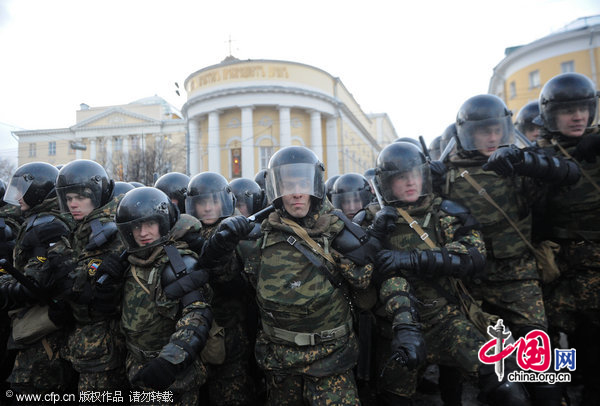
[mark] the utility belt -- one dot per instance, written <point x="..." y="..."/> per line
<point x="304" y="339"/>
<point x="565" y="234"/>
<point x="141" y="355"/>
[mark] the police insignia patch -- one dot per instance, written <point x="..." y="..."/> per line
<point x="93" y="266"/>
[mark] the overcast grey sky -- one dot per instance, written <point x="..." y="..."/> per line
<point x="416" y="61"/>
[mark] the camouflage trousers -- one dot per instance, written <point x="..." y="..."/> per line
<point x="230" y="383"/>
<point x="40" y="368"/>
<point x="450" y="340"/>
<point x="519" y="303"/>
<point x="300" y="390"/>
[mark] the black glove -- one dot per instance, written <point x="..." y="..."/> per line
<point x="384" y="223"/>
<point x="389" y="261"/>
<point x="195" y="241"/>
<point x="588" y="148"/>
<point x="60" y="313"/>
<point x="234" y="228"/>
<point x="408" y="346"/>
<point x="503" y="161"/>
<point x="113" y="266"/>
<point x="59" y="267"/>
<point x="158" y="374"/>
<point x="438" y="174"/>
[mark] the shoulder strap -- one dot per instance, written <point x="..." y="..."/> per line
<point x="335" y="281"/>
<point x="300" y="232"/>
<point x="481" y="190"/>
<point x="412" y="223"/>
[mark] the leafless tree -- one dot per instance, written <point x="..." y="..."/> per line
<point x="7" y="168"/>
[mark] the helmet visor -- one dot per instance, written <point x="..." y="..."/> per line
<point x="351" y="202"/>
<point x="19" y="185"/>
<point x="486" y="135"/>
<point x="405" y="186"/>
<point x="561" y="116"/>
<point x="144" y="232"/>
<point x="299" y="178"/>
<point x="210" y="207"/>
<point x="66" y="192"/>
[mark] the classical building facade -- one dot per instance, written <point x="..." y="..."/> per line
<point x="237" y="114"/>
<point x="520" y="76"/>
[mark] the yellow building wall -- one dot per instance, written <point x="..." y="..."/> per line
<point x="300" y="127"/>
<point x="548" y="68"/>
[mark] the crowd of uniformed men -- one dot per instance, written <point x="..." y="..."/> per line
<point x="290" y="290"/>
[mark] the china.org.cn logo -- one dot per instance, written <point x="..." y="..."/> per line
<point x="533" y="355"/>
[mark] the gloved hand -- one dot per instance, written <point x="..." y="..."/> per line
<point x="59" y="267"/>
<point x="106" y="297"/>
<point x="503" y="161"/>
<point x="158" y="374"/>
<point x="438" y="174"/>
<point x="384" y="223"/>
<point x="388" y="261"/>
<point x="195" y="241"/>
<point x="408" y="346"/>
<point x="113" y="266"/>
<point x="588" y="148"/>
<point x="234" y="228"/>
<point x="60" y="313"/>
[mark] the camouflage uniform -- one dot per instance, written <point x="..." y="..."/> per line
<point x="451" y="339"/>
<point x="297" y="301"/>
<point x="511" y="286"/>
<point x="95" y="347"/>
<point x="152" y="323"/>
<point x="38" y="367"/>
<point x="230" y="383"/>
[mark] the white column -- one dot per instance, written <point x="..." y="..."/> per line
<point x="316" y="138"/>
<point x="247" y="143"/>
<point x="214" y="149"/>
<point x="285" y="128"/>
<point x="109" y="156"/>
<point x="125" y="155"/>
<point x="194" y="142"/>
<point x="93" y="149"/>
<point x="333" y="163"/>
<point x="78" y="152"/>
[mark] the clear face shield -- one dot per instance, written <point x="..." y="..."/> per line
<point x="405" y="187"/>
<point x="351" y="202"/>
<point x="571" y="114"/>
<point x="294" y="179"/>
<point x="487" y="135"/>
<point x="19" y="185"/>
<point x="145" y="232"/>
<point x="210" y="207"/>
<point x="78" y="190"/>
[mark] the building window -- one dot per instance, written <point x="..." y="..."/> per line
<point x="32" y="149"/>
<point x="567" y="67"/>
<point x="265" y="154"/>
<point x="534" y="79"/>
<point x="52" y="148"/>
<point x="119" y="144"/>
<point x="512" y="90"/>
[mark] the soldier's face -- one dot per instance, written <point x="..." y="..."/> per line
<point x="532" y="134"/>
<point x="487" y="139"/>
<point x="351" y="205"/>
<point x="572" y="121"/>
<point x="146" y="232"/>
<point x="79" y="206"/>
<point x="407" y="186"/>
<point x="243" y="208"/>
<point x="296" y="204"/>
<point x="24" y="206"/>
<point x="209" y="209"/>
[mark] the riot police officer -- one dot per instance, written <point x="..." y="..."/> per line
<point x="174" y="184"/>
<point x="524" y="121"/>
<point x="351" y="193"/>
<point x="249" y="197"/>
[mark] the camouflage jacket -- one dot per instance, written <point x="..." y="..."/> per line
<point x="573" y="212"/>
<point x="150" y="321"/>
<point x="296" y="296"/>
<point x="10" y="216"/>
<point x="445" y="230"/>
<point x="82" y="250"/>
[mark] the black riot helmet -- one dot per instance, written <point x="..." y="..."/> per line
<point x="260" y="178"/>
<point x="524" y="119"/>
<point x="369" y="174"/>
<point x="137" y="184"/>
<point x="2" y="191"/>
<point x="434" y="148"/>
<point x="329" y="185"/>
<point x="209" y="198"/>
<point x="447" y="135"/>
<point x="174" y="184"/>
<point x="484" y="123"/>
<point x="121" y="188"/>
<point x="413" y="141"/>
<point x="249" y="197"/>
<point x="145" y="207"/>
<point x="292" y="170"/>
<point x="351" y="193"/>
<point x="402" y="174"/>
<point x="33" y="182"/>
<point x="565" y="92"/>
<point x="85" y="178"/>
